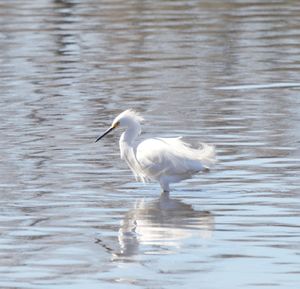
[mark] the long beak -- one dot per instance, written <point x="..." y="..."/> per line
<point x="106" y="132"/>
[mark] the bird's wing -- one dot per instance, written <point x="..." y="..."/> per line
<point x="173" y="156"/>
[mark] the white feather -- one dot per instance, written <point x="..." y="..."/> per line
<point x="166" y="160"/>
<point x="173" y="157"/>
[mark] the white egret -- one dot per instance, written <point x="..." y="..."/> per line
<point x="166" y="160"/>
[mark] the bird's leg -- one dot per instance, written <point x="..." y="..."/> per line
<point x="165" y="195"/>
<point x="164" y="185"/>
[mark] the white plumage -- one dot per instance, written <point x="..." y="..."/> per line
<point x="166" y="160"/>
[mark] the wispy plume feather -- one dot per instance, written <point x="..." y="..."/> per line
<point x="133" y="114"/>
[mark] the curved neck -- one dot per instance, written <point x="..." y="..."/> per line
<point x="127" y="150"/>
<point x="130" y="135"/>
<point x="126" y="143"/>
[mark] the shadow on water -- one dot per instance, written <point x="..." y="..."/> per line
<point x="163" y="224"/>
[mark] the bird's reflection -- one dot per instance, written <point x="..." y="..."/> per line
<point x="162" y="224"/>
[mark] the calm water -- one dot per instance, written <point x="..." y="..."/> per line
<point x="224" y="72"/>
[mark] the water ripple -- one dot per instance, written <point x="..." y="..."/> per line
<point x="224" y="72"/>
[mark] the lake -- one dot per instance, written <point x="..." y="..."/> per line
<point x="223" y="72"/>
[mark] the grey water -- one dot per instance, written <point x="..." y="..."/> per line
<point x="223" y="72"/>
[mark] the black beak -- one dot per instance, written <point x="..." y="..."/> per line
<point x="106" y="132"/>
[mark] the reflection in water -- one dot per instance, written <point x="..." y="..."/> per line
<point x="164" y="223"/>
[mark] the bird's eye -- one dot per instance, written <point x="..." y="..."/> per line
<point x="116" y="124"/>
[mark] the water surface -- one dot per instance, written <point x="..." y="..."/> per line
<point x="224" y="72"/>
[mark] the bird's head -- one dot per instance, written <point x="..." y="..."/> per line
<point x="128" y="119"/>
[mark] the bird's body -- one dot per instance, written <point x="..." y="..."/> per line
<point x="166" y="160"/>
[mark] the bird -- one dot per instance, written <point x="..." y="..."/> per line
<point x="164" y="160"/>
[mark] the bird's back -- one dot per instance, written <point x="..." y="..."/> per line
<point x="173" y="157"/>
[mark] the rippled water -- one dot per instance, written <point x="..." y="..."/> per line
<point x="225" y="72"/>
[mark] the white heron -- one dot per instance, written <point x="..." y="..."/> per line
<point x="166" y="160"/>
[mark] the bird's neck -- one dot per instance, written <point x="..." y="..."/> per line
<point x="128" y="153"/>
<point x="126" y="143"/>
<point x="130" y="135"/>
